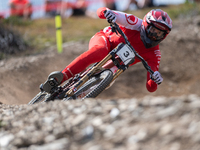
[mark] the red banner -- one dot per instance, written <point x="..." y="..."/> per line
<point x="52" y="6"/>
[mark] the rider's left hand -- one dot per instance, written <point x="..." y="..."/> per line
<point x="156" y="77"/>
<point x="110" y="15"/>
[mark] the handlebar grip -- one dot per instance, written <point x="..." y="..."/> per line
<point x="109" y="21"/>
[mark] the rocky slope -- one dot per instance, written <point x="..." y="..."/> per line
<point x="151" y="123"/>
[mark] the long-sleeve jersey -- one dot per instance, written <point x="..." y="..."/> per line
<point x="131" y="26"/>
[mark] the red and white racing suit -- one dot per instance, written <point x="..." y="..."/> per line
<point x="105" y="40"/>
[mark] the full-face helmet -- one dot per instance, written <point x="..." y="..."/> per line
<point x="156" y="26"/>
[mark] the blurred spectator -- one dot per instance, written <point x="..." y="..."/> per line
<point x="77" y="7"/>
<point x="52" y="7"/>
<point x="1" y="16"/>
<point x="20" y="8"/>
<point x="141" y="3"/>
<point x="111" y="4"/>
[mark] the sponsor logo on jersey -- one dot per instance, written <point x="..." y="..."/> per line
<point x="132" y="20"/>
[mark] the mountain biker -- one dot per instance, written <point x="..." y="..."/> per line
<point x="144" y="35"/>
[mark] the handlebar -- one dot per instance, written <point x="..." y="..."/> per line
<point x="115" y="28"/>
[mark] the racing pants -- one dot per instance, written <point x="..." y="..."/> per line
<point x="99" y="47"/>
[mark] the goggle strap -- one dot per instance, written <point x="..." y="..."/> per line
<point x="158" y="28"/>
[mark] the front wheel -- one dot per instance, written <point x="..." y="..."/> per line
<point x="94" y="86"/>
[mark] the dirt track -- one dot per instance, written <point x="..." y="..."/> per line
<point x="21" y="77"/>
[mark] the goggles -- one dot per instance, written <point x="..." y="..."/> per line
<point x="155" y="34"/>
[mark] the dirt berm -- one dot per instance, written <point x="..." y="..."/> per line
<point x="158" y="121"/>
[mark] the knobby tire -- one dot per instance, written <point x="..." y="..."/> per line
<point x="99" y="82"/>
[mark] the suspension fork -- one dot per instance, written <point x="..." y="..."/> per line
<point x="110" y="64"/>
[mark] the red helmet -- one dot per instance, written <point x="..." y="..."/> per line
<point x="155" y="22"/>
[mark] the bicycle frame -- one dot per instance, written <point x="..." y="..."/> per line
<point x="94" y="70"/>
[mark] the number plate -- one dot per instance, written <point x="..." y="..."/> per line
<point x="126" y="54"/>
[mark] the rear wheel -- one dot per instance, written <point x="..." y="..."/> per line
<point x="94" y="86"/>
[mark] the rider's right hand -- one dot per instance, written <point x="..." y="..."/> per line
<point x="156" y="77"/>
<point x="110" y="15"/>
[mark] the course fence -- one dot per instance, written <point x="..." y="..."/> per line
<point x="57" y="6"/>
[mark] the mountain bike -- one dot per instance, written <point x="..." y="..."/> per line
<point x="101" y="75"/>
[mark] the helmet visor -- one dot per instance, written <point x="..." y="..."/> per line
<point x="155" y="34"/>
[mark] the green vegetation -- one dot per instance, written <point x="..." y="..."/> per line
<point x="40" y="33"/>
<point x="2" y="124"/>
<point x="186" y="9"/>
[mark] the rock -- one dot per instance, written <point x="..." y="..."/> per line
<point x="156" y="122"/>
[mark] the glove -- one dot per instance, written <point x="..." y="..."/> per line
<point x="156" y="77"/>
<point x="110" y="15"/>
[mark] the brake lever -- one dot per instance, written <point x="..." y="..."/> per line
<point x="113" y="28"/>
